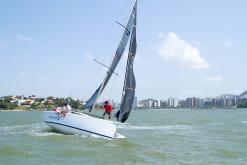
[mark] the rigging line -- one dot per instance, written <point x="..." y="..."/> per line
<point x="96" y="71"/>
<point x="111" y="87"/>
<point x="106" y="76"/>
<point x="123" y="27"/>
<point x="83" y="84"/>
<point x="114" y="81"/>
<point x="89" y="76"/>
<point x="76" y="84"/>
<point x="109" y="69"/>
<point x="94" y="75"/>
<point x="110" y="31"/>
<point x="119" y="79"/>
<point x="89" y="84"/>
<point x="96" y="52"/>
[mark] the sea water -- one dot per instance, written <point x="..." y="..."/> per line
<point x="152" y="137"/>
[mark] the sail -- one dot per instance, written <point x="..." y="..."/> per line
<point x="129" y="83"/>
<point x="119" y="52"/>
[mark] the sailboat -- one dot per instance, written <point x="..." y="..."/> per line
<point x="90" y="125"/>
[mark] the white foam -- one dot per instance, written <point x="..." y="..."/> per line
<point x="119" y="136"/>
<point x="165" y="127"/>
<point x="83" y="136"/>
<point x="23" y="129"/>
<point x="22" y="126"/>
<point x="244" y="122"/>
<point x="44" y="134"/>
<point x="97" y="136"/>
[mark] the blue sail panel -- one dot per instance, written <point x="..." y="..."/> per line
<point x="92" y="99"/>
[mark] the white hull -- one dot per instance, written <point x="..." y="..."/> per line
<point x="80" y="123"/>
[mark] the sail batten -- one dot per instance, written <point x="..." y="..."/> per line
<point x="119" y="52"/>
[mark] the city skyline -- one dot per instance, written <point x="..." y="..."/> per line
<point x="223" y="101"/>
<point x="166" y="98"/>
<point x="190" y="49"/>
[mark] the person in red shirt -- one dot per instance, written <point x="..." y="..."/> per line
<point x="108" y="109"/>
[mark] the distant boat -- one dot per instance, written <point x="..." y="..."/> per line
<point x="87" y="124"/>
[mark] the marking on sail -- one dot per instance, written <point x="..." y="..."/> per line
<point x="130" y="89"/>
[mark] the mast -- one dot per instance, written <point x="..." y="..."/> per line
<point x="118" y="54"/>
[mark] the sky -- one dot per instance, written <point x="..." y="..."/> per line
<point x="186" y="48"/>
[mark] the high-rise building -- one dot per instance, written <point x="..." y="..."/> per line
<point x="173" y="102"/>
<point x="148" y="103"/>
<point x="134" y="106"/>
<point x="192" y="102"/>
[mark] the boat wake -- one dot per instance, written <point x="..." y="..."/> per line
<point x="165" y="127"/>
<point x="44" y="133"/>
<point x="17" y="127"/>
<point x="119" y="136"/>
<point x="35" y="129"/>
<point x="20" y="129"/>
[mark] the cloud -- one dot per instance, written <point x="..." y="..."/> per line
<point x="227" y="44"/>
<point x="76" y="75"/>
<point x="23" y="38"/>
<point x="23" y="73"/>
<point x="182" y="52"/>
<point x="213" y="79"/>
<point x="196" y="44"/>
<point x="141" y="82"/>
<point x="161" y="35"/>
<point x="137" y="57"/>
<point x="3" y="44"/>
<point x="140" y="60"/>
<point x="88" y="56"/>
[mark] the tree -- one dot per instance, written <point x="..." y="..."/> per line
<point x="50" y="98"/>
<point x="7" y="105"/>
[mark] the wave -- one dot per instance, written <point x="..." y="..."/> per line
<point x="34" y="133"/>
<point x="162" y="127"/>
<point x="35" y="129"/>
<point x="21" y="126"/>
<point x="23" y="129"/>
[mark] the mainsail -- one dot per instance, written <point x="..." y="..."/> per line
<point x="129" y="82"/>
<point x="119" y="52"/>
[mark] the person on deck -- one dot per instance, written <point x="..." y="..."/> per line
<point x="67" y="108"/>
<point x="57" y="109"/>
<point x="108" y="109"/>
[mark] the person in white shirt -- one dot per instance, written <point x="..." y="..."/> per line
<point x="67" y="108"/>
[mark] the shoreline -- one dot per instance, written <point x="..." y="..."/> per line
<point x="20" y="110"/>
<point x="14" y="110"/>
<point x="159" y="109"/>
